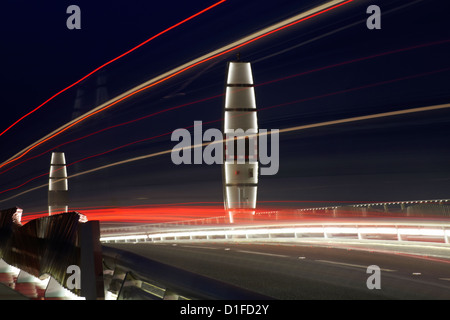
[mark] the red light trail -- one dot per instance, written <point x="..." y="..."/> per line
<point x="262" y="109"/>
<point x="371" y="85"/>
<point x="212" y="213"/>
<point x="26" y="182"/>
<point x="109" y="62"/>
<point x="343" y="63"/>
<point x="145" y="214"/>
<point x="112" y="127"/>
<point x="220" y="95"/>
<point x="173" y="74"/>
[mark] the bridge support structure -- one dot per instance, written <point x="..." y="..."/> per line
<point x="240" y="128"/>
<point x="58" y="189"/>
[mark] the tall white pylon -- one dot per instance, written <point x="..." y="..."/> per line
<point x="58" y="190"/>
<point x="240" y="168"/>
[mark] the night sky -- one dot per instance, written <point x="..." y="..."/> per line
<point x="397" y="158"/>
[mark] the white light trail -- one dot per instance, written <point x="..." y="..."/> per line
<point x="178" y="70"/>
<point x="291" y="129"/>
<point x="437" y="232"/>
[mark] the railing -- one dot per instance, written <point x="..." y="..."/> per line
<point x="147" y="279"/>
<point x="417" y="231"/>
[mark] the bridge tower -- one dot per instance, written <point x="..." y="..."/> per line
<point x="240" y="128"/>
<point x="58" y="190"/>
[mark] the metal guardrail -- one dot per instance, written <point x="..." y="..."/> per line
<point x="416" y="208"/>
<point x="177" y="283"/>
<point x="151" y="279"/>
<point x="154" y="280"/>
<point x="417" y="231"/>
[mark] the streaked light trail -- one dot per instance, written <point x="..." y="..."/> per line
<point x="285" y="130"/>
<point x="261" y="109"/>
<point x="145" y="214"/>
<point x="343" y="63"/>
<point x="112" y="127"/>
<point x="432" y="232"/>
<point x="179" y="70"/>
<point x="385" y="12"/>
<point x="109" y="62"/>
<point x="370" y="85"/>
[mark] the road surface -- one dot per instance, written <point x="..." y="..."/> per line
<point x="306" y="271"/>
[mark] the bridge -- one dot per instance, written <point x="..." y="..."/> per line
<point x="133" y="266"/>
<point x="242" y="250"/>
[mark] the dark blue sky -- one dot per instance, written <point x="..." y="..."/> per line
<point x="391" y="159"/>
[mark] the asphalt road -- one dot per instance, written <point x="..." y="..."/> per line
<point x="287" y="271"/>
